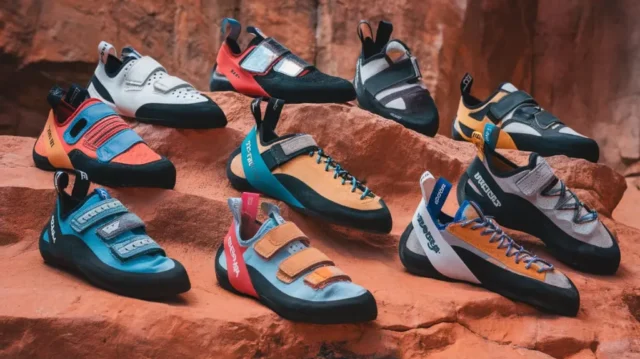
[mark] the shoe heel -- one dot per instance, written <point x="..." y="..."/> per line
<point x="219" y="82"/>
<point x="415" y="263"/>
<point x="454" y="133"/>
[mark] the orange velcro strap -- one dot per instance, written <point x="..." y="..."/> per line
<point x="325" y="275"/>
<point x="277" y="238"/>
<point x="301" y="261"/>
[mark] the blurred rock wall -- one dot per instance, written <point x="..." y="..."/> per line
<point x="579" y="58"/>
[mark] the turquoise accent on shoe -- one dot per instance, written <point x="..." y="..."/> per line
<point x="117" y="144"/>
<point x="258" y="173"/>
<point x="91" y="114"/>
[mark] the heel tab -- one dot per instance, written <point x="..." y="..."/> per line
<point x="434" y="194"/>
<point x="465" y="85"/>
<point x="104" y="50"/>
<point x="266" y="125"/>
<point x="78" y="193"/>
<point x="383" y="34"/>
<point x="230" y="29"/>
<point x="364" y="31"/>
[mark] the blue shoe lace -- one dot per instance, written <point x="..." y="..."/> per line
<point x="338" y="171"/>
<point x="504" y="241"/>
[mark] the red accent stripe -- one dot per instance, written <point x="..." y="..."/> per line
<point x="250" y="204"/>
<point x="236" y="267"/>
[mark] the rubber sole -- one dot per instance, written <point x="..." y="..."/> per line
<point x="153" y="286"/>
<point x="347" y="311"/>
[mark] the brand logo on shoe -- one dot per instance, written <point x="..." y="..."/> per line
<point x="487" y="190"/>
<point x="50" y="135"/>
<point x="439" y="194"/>
<point x="53" y="229"/>
<point x="431" y="242"/>
<point x="249" y="155"/>
<point x="234" y="258"/>
<point x="234" y="73"/>
<point x="112" y="227"/>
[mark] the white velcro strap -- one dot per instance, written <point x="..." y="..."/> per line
<point x="297" y="143"/>
<point x="534" y="181"/>
<point x="142" y="69"/>
<point x="170" y="83"/>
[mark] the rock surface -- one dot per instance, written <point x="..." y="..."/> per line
<point x="46" y="312"/>
<point x="578" y="58"/>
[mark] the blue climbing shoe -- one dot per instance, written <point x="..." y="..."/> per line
<point x="97" y="236"/>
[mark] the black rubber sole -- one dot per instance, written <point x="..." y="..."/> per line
<point x="136" y="285"/>
<point x="378" y="226"/>
<point x="515" y="215"/>
<point x="564" y="303"/>
<point x="159" y="174"/>
<point x="347" y="311"/>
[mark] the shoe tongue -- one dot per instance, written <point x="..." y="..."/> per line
<point x="468" y="210"/>
<point x="76" y="95"/>
<point x="508" y="87"/>
<point x="129" y="53"/>
<point x="396" y="51"/>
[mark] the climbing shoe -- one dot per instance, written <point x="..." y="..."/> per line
<point x="273" y="262"/>
<point x="95" y="235"/>
<point x="388" y="81"/>
<point x="525" y="125"/>
<point x="139" y="87"/>
<point x="268" y="69"/>
<point x="472" y="248"/>
<point x="84" y="133"/>
<point x="293" y="169"/>
<point x="532" y="199"/>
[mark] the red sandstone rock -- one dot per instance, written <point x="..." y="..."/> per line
<point x="46" y="312"/>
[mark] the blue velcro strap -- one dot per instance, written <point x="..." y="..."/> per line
<point x="120" y="225"/>
<point x="437" y="199"/>
<point x="135" y="246"/>
<point x="91" y="114"/>
<point x="117" y="144"/>
<point x="259" y="175"/>
<point x="95" y="213"/>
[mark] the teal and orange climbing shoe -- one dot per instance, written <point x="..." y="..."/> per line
<point x="293" y="169"/>
<point x="273" y="262"/>
<point x="95" y="235"/>
<point x="86" y="134"/>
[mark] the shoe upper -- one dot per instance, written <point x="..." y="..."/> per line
<point x="116" y="236"/>
<point x="278" y="165"/>
<point x="77" y="123"/>
<point x="388" y="80"/>
<point x="444" y="240"/>
<point x="525" y="125"/>
<point x="267" y="68"/>
<point x="280" y="253"/>
<point x="133" y="81"/>
<point x="537" y="184"/>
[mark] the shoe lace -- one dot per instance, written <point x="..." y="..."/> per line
<point x="338" y="171"/>
<point x="565" y="197"/>
<point x="504" y="241"/>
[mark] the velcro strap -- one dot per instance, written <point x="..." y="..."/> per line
<point x="291" y="65"/>
<point x="263" y="55"/>
<point x="101" y="210"/>
<point x="300" y="262"/>
<point x="142" y="69"/>
<point x="92" y="115"/>
<point x="122" y="224"/>
<point x="117" y="144"/>
<point x="323" y="276"/>
<point x="500" y="109"/>
<point x="405" y="70"/>
<point x="278" y="238"/>
<point x="169" y="83"/>
<point x="283" y="152"/>
<point x="546" y="119"/>
<point x="537" y="179"/>
<point x="135" y="246"/>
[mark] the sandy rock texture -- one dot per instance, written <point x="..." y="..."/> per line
<point x="49" y="313"/>
<point x="578" y="58"/>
